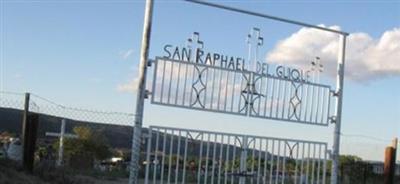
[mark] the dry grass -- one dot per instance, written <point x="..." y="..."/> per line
<point x="12" y="173"/>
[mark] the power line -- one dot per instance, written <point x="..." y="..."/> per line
<point x="366" y="137"/>
<point x="81" y="109"/>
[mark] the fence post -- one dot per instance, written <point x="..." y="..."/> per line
<point x="25" y="120"/>
<point x="25" y="133"/>
<point x="29" y="141"/>
<point x="137" y="130"/>
<point x="390" y="163"/>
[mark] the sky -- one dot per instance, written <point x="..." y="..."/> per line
<point x="85" y="53"/>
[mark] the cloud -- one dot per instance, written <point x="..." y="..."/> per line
<point x="130" y="86"/>
<point x="366" y="58"/>
<point x="126" y="53"/>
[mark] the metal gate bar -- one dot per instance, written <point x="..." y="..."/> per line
<point x="185" y="156"/>
<point x="199" y="86"/>
<point x="290" y="100"/>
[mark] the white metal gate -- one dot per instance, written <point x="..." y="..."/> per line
<point x="176" y="155"/>
<point x="285" y="97"/>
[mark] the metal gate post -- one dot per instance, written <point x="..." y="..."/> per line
<point x="137" y="131"/>
<point x="243" y="161"/>
<point x="338" y="108"/>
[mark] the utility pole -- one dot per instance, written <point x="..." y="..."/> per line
<point x="137" y="130"/>
<point x="390" y="163"/>
<point x="338" y="109"/>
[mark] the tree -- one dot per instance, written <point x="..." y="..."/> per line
<point x="353" y="169"/>
<point x="88" y="147"/>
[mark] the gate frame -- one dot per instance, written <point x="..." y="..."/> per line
<point x="243" y="150"/>
<point x="338" y="94"/>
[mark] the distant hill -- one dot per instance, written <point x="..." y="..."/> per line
<point x="10" y="120"/>
<point x="118" y="136"/>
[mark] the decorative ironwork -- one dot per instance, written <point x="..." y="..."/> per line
<point x="255" y="95"/>
<point x="244" y="94"/>
<point x="201" y="88"/>
<point x="254" y="41"/>
<point x="291" y="148"/>
<point x="192" y="78"/>
<point x="295" y="101"/>
<point x="217" y="157"/>
<point x="317" y="67"/>
<point x="196" y="44"/>
<point x="217" y="89"/>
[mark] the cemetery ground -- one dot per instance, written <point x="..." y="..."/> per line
<point x="12" y="173"/>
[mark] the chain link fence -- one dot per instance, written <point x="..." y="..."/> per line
<point x="41" y="105"/>
<point x="356" y="168"/>
<point x="12" y="100"/>
<point x="97" y="144"/>
<point x="95" y="147"/>
<point x="364" y="172"/>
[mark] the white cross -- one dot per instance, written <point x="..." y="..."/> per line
<point x="254" y="38"/>
<point x="195" y="44"/>
<point x="61" y="135"/>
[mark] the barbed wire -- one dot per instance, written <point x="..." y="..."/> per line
<point x="13" y="100"/>
<point x="11" y="93"/>
<point x="80" y="109"/>
<point x="42" y="105"/>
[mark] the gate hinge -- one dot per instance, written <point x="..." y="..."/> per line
<point x="334" y="93"/>
<point x="332" y="119"/>
<point x="329" y="152"/>
<point x="147" y="93"/>
<point x="150" y="62"/>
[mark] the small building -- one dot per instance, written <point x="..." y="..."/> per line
<point x="378" y="167"/>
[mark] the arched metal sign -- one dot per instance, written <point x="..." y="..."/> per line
<point x="194" y="78"/>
